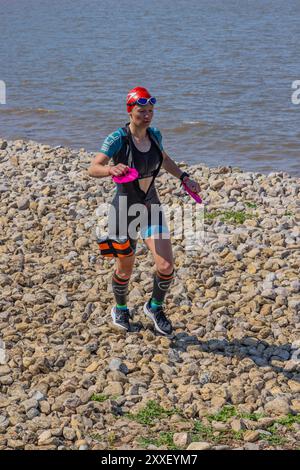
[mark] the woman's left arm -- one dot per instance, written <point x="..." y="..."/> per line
<point x="170" y="166"/>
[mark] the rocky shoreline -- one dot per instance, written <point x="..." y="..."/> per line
<point x="230" y="375"/>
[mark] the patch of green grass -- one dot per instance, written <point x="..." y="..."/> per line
<point x="237" y="435"/>
<point x="97" y="437"/>
<point x="202" y="432"/>
<point x="275" y="439"/>
<point x="207" y="433"/>
<point x="212" y="215"/>
<point x="227" y="412"/>
<point x="111" y="438"/>
<point x="288" y="213"/>
<point x="164" y="439"/>
<point x="252" y="205"/>
<point x="251" y="416"/>
<point x="200" y="428"/>
<point x="237" y="217"/>
<point x="289" y="420"/>
<point x="100" y="398"/>
<point x="151" y="412"/>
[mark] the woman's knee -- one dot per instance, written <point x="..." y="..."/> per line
<point x="124" y="266"/>
<point x="165" y="267"/>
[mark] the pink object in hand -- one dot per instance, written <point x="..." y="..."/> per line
<point x="131" y="175"/>
<point x="192" y="193"/>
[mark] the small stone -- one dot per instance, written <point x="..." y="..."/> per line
<point x="45" y="407"/>
<point x="3" y="145"/>
<point x="23" y="203"/>
<point x="294" y="386"/>
<point x="221" y="447"/>
<point x="218" y="184"/>
<point x="69" y="434"/>
<point x="252" y="269"/>
<point x="251" y="446"/>
<point x="238" y="425"/>
<point x="81" y="242"/>
<point x="116" y="364"/>
<point x="251" y="436"/>
<point x="181" y="439"/>
<point x="81" y="443"/>
<point x="269" y="294"/>
<point x="264" y="423"/>
<point x="31" y="403"/>
<point x="92" y="367"/>
<point x="114" y="388"/>
<point x="4" y="423"/>
<point x="16" y="444"/>
<point x="44" y="437"/>
<point x="219" y="426"/>
<point x="199" y="446"/>
<point x="39" y="396"/>
<point x="61" y="300"/>
<point x="218" y="401"/>
<point x="295" y="286"/>
<point x="296" y="406"/>
<point x="32" y="413"/>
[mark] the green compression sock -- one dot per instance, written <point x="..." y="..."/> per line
<point x="155" y="304"/>
<point x="121" y="307"/>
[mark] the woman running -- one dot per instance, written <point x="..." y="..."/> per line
<point x="140" y="146"/>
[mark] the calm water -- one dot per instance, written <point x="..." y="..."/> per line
<point x="222" y="71"/>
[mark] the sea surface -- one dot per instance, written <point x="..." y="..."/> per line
<point x="222" y="72"/>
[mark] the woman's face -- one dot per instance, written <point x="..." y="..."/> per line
<point x="142" y="115"/>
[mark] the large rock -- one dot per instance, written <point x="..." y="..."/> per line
<point x="278" y="407"/>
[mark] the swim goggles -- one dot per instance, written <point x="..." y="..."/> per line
<point x="143" y="101"/>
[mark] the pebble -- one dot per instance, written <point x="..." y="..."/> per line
<point x="199" y="446"/>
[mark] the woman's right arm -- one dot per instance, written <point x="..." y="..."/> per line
<point x="99" y="167"/>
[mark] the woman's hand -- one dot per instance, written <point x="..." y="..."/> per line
<point x="192" y="185"/>
<point x="118" y="170"/>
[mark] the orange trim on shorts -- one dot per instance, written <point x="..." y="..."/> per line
<point x="104" y="246"/>
<point x="121" y="246"/>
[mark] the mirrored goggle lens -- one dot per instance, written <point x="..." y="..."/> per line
<point x="144" y="101"/>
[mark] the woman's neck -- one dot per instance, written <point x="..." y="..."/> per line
<point x="138" y="132"/>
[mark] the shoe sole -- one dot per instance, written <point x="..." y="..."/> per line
<point x="148" y="314"/>
<point x="114" y="321"/>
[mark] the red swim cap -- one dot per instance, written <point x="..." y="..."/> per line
<point x="134" y="94"/>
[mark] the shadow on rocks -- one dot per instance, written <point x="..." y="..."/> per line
<point x="260" y="352"/>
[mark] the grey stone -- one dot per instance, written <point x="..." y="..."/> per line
<point x="116" y="364"/>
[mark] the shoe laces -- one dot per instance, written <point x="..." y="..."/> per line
<point x="122" y="313"/>
<point x="160" y="315"/>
